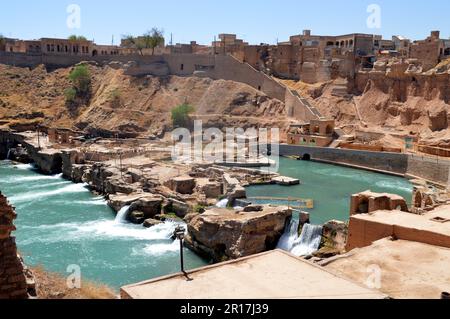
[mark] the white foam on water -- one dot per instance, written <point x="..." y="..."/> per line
<point x="73" y="188"/>
<point x="36" y="178"/>
<point x="24" y="166"/>
<point x="160" y="249"/>
<point x="98" y="230"/>
<point x="394" y="185"/>
<point x="223" y="203"/>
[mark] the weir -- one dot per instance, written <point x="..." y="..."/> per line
<point x="305" y="244"/>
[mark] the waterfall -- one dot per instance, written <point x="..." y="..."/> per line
<point x="223" y="203"/>
<point x="9" y="154"/>
<point x="309" y="241"/>
<point x="289" y="237"/>
<point x="305" y="244"/>
<point x="122" y="215"/>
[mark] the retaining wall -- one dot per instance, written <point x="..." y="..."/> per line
<point x="390" y="162"/>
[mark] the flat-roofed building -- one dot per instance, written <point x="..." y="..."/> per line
<point x="271" y="275"/>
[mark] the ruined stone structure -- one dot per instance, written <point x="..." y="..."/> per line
<point x="429" y="51"/>
<point x="13" y="283"/>
<point x="367" y="202"/>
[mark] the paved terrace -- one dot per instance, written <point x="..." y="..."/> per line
<point x="274" y="275"/>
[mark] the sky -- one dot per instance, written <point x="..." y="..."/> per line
<point x="255" y="21"/>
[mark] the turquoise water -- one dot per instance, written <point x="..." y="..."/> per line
<point x="61" y="224"/>
<point x="330" y="187"/>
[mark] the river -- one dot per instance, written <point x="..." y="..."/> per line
<point x="330" y="187"/>
<point x="60" y="224"/>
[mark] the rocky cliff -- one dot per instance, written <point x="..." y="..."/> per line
<point x="224" y="233"/>
<point x="13" y="283"/>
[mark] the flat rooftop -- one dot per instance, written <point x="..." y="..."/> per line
<point x="271" y="275"/>
<point x="420" y="222"/>
<point x="431" y="228"/>
<point x="409" y="270"/>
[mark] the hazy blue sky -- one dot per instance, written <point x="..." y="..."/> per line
<point x="255" y="21"/>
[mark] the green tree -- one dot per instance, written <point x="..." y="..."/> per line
<point x="70" y="95"/>
<point x="2" y="40"/>
<point x="149" y="40"/>
<point x="74" y="37"/>
<point x="180" y="115"/>
<point x="81" y="79"/>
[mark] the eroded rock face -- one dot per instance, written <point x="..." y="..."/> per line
<point x="226" y="234"/>
<point x="13" y="283"/>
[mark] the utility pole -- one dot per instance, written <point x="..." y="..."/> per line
<point x="171" y="39"/>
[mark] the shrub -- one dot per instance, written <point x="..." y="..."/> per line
<point x="81" y="79"/>
<point x="70" y="95"/>
<point x="180" y="115"/>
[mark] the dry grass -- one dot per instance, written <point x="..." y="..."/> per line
<point x="53" y="286"/>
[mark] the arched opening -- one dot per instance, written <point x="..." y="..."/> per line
<point x="94" y="53"/>
<point x="329" y="130"/>
<point x="259" y="87"/>
<point x="182" y="67"/>
<point x="316" y="129"/>
<point x="447" y="51"/>
<point x="306" y="157"/>
<point x="363" y="207"/>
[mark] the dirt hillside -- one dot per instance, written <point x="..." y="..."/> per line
<point x="121" y="103"/>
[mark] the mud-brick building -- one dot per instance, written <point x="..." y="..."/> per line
<point x="315" y="133"/>
<point x="430" y="51"/>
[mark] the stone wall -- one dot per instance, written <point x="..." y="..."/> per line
<point x="13" y="283"/>
<point x="391" y="162"/>
<point x="432" y="169"/>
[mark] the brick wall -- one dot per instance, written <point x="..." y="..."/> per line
<point x="13" y="284"/>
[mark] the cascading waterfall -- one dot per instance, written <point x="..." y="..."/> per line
<point x="122" y="215"/>
<point x="309" y="241"/>
<point x="223" y="203"/>
<point x="305" y="244"/>
<point x="289" y="237"/>
<point x="9" y="154"/>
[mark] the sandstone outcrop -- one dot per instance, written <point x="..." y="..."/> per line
<point x="13" y="282"/>
<point x="182" y="185"/>
<point x="223" y="234"/>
